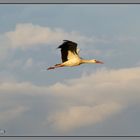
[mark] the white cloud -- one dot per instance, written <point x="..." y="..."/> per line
<point x="27" y="34"/>
<point x="14" y="99"/>
<point x="95" y="97"/>
<point x="79" y="116"/>
<point x="21" y="88"/>
<point x="76" y="103"/>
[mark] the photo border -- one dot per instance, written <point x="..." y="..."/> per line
<point x="7" y="2"/>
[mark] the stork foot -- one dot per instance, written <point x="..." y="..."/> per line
<point x="50" y="68"/>
<point x="57" y="64"/>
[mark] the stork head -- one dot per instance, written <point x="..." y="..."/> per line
<point x="97" y="61"/>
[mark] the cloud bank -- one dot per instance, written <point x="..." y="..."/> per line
<point x="27" y="34"/>
<point x="75" y="103"/>
<point x="80" y="116"/>
<point x="95" y="97"/>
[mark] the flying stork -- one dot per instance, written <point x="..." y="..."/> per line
<point x="70" y="56"/>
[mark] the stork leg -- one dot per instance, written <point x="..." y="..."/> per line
<point x="55" y="66"/>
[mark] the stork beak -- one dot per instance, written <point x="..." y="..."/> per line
<point x="99" y="62"/>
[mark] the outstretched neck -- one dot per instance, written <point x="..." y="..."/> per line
<point x="88" y="61"/>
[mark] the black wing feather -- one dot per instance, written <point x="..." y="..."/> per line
<point x="67" y="46"/>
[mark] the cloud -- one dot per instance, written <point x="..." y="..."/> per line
<point x="95" y="97"/>
<point x="25" y="88"/>
<point x="27" y="34"/>
<point x="15" y="99"/>
<point x="12" y="113"/>
<point x="79" y="116"/>
<point x="73" y="104"/>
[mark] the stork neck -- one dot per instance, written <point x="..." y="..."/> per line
<point x="88" y="61"/>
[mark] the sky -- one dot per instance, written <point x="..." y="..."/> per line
<point x="89" y="99"/>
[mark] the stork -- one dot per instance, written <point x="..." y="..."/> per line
<point x="70" y="56"/>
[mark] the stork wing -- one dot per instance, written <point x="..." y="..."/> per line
<point x="68" y="50"/>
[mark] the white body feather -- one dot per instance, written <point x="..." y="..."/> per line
<point x="72" y="62"/>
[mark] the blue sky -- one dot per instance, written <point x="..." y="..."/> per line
<point x="84" y="100"/>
